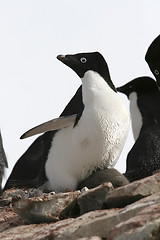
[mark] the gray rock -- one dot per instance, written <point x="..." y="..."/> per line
<point x="87" y="201"/>
<point x="9" y="219"/>
<point x="89" y="224"/>
<point x="128" y="194"/>
<point x="96" y="223"/>
<point x="94" y="198"/>
<point x="139" y="220"/>
<point x="145" y="225"/>
<point x="104" y="175"/>
<point x="90" y="238"/>
<point x="45" y="208"/>
<point x="14" y="194"/>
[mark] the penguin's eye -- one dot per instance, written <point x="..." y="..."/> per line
<point x="83" y="60"/>
<point x="156" y="72"/>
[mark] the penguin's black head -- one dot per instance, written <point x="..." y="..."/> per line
<point x="83" y="62"/>
<point x="139" y="85"/>
<point x="153" y="58"/>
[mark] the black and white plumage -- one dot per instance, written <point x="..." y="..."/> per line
<point x="3" y="161"/>
<point x="144" y="157"/>
<point x="60" y="159"/>
<point x="153" y="58"/>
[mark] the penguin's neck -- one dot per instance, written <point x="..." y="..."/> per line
<point x="94" y="87"/>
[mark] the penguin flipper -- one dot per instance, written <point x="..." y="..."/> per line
<point x="54" y="124"/>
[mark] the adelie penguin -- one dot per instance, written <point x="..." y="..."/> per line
<point x="144" y="157"/>
<point x="153" y="58"/>
<point x="89" y="134"/>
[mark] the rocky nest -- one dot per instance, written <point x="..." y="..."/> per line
<point x="128" y="212"/>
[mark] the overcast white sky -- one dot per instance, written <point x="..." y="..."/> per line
<point x="35" y="87"/>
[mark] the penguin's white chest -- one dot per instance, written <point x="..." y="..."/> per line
<point x="96" y="141"/>
<point x="135" y="115"/>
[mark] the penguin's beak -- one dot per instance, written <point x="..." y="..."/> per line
<point x="61" y="58"/>
<point x="123" y="90"/>
<point x="68" y="60"/>
<point x="119" y="89"/>
<point x="65" y="59"/>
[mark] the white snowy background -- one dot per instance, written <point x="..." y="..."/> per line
<point x="35" y="87"/>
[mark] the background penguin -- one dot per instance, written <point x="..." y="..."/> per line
<point x="153" y="58"/>
<point x="144" y="157"/>
<point x="60" y="159"/>
<point x="3" y="161"/>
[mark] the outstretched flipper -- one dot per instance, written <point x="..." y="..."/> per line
<point x="54" y="124"/>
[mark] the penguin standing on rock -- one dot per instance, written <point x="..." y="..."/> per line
<point x="153" y="58"/>
<point x="144" y="157"/>
<point x="89" y="134"/>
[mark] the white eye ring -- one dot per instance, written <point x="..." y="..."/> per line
<point x="83" y="60"/>
<point x="156" y="72"/>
